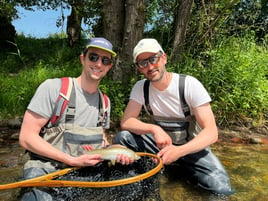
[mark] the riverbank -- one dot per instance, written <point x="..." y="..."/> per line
<point x="9" y="132"/>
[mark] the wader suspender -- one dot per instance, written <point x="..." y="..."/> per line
<point x="67" y="98"/>
<point x="184" y="105"/>
<point x="63" y="99"/>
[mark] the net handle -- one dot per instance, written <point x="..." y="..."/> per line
<point x="47" y="181"/>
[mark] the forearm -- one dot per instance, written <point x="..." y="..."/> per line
<point x="205" y="138"/>
<point x="209" y="133"/>
<point x="41" y="147"/>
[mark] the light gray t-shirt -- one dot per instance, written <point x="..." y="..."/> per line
<point x="86" y="105"/>
<point x="167" y="103"/>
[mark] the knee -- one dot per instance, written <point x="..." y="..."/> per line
<point x="121" y="137"/>
<point x="223" y="189"/>
<point x="219" y="185"/>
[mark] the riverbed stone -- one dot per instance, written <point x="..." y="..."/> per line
<point x="255" y="140"/>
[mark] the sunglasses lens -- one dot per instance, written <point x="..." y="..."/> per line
<point x="106" y="61"/>
<point x="154" y="60"/>
<point x="142" y="63"/>
<point x="93" y="57"/>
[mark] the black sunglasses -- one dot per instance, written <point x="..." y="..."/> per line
<point x="95" y="57"/>
<point x="153" y="60"/>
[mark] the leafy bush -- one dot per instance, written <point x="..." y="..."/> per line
<point x="235" y="74"/>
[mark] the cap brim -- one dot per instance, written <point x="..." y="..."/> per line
<point x="107" y="50"/>
<point x="149" y="50"/>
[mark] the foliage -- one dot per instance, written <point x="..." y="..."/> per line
<point x="43" y="58"/>
<point x="118" y="94"/>
<point x="235" y="74"/>
<point x="241" y="72"/>
<point x="248" y="15"/>
<point x="7" y="8"/>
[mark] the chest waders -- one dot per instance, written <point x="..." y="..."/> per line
<point x="181" y="130"/>
<point x="67" y="136"/>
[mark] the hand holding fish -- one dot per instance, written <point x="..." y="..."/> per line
<point x="114" y="153"/>
<point x="84" y="160"/>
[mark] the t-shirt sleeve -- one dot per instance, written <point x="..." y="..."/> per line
<point x="137" y="92"/>
<point x="45" y="97"/>
<point x="196" y="94"/>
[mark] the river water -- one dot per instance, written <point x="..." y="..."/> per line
<point x="247" y="166"/>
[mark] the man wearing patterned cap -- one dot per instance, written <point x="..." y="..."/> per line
<point x="53" y="144"/>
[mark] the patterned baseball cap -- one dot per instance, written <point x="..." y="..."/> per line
<point x="100" y="43"/>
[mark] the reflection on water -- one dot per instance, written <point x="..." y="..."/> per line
<point x="247" y="166"/>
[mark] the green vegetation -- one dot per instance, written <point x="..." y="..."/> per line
<point x="234" y="72"/>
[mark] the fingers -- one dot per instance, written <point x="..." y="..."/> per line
<point x="163" y="142"/>
<point x="123" y="159"/>
<point x="93" y="159"/>
<point x="165" y="156"/>
<point x="162" y="145"/>
<point x="87" y="147"/>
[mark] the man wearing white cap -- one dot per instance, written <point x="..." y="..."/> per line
<point x="55" y="132"/>
<point x="183" y="123"/>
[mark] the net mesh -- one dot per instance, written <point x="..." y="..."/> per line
<point x="143" y="190"/>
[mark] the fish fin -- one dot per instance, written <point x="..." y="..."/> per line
<point x="112" y="162"/>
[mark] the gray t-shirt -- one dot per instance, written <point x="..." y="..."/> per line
<point x="86" y="105"/>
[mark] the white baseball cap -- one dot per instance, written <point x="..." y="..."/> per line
<point x="146" y="45"/>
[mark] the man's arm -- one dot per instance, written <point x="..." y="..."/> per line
<point x="131" y="122"/>
<point x="30" y="140"/>
<point x="207" y="136"/>
<point x="209" y="132"/>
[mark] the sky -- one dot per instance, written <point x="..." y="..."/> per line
<point x="39" y="24"/>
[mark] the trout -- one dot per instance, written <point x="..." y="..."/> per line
<point x="111" y="152"/>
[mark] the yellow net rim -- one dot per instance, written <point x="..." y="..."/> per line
<point x="45" y="180"/>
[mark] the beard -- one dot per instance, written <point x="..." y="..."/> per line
<point x="157" y="77"/>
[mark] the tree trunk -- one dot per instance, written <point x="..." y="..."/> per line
<point x="7" y="34"/>
<point x="182" y="16"/>
<point x="113" y="21"/>
<point x="133" y="32"/>
<point x="74" y="25"/>
<point x="113" y="24"/>
<point x="128" y="16"/>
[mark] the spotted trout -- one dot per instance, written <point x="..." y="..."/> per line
<point x="111" y="152"/>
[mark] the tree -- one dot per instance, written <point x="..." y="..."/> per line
<point x="249" y="15"/>
<point x="133" y="26"/>
<point x="181" y="18"/>
<point x="74" y="20"/>
<point x="7" y="30"/>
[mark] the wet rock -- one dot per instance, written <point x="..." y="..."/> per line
<point x="11" y="161"/>
<point x="256" y="140"/>
<point x="15" y="136"/>
<point x="14" y="123"/>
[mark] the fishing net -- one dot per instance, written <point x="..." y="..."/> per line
<point x="142" y="190"/>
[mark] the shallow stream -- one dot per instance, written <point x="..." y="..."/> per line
<point x="247" y="166"/>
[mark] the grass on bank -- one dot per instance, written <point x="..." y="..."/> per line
<point x="234" y="72"/>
